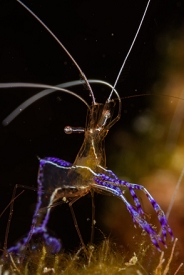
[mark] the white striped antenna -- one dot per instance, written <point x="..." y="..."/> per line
<point x="61" y="44"/>
<point x="129" y="51"/>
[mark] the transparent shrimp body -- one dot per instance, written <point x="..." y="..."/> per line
<point x="59" y="180"/>
<point x="92" y="152"/>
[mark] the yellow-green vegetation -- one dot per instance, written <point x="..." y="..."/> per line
<point x="104" y="259"/>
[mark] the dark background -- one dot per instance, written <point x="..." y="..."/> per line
<point x="98" y="34"/>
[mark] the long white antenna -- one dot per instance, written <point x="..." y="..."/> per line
<point x="59" y="42"/>
<point x="174" y="194"/>
<point x="29" y="101"/>
<point x="127" y="55"/>
<point x="48" y="90"/>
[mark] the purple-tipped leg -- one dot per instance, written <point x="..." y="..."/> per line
<point x="52" y="174"/>
<point x="112" y="185"/>
<point x="39" y="237"/>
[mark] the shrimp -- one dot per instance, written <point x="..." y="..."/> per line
<point x="88" y="173"/>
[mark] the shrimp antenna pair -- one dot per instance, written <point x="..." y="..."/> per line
<point x="28" y="102"/>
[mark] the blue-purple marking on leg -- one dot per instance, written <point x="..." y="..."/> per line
<point x="50" y="241"/>
<point x="161" y="216"/>
<point x="126" y="184"/>
<point x="112" y="185"/>
<point x="135" y="215"/>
